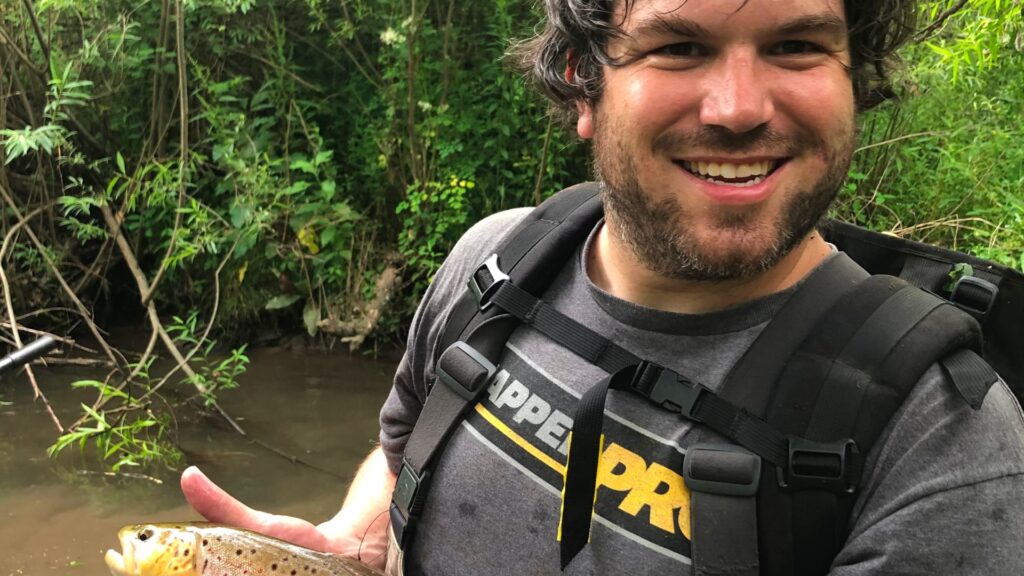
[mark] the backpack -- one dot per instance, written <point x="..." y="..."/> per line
<point x="843" y="353"/>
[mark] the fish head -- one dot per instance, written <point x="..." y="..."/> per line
<point x="154" y="550"/>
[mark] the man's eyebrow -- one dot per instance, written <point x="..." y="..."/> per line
<point x="826" y="22"/>
<point x="658" y="25"/>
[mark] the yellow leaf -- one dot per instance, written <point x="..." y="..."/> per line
<point x="307" y="237"/>
<point x="241" y="271"/>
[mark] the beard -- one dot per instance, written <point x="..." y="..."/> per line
<point x="746" y="243"/>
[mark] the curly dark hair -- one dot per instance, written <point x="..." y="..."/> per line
<point x="582" y="28"/>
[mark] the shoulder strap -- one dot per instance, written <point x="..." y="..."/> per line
<point x="841" y="387"/>
<point x="543" y="241"/>
<point x="991" y="293"/>
<point x="475" y="333"/>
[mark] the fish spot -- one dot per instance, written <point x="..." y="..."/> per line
<point x="186" y="552"/>
<point x="273" y="567"/>
<point x="238" y="552"/>
<point x="206" y="542"/>
<point x="293" y="572"/>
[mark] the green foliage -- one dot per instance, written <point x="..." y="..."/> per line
<point x="134" y="432"/>
<point x="324" y="138"/>
<point x="211" y="375"/>
<point x="121" y="440"/>
<point x="946" y="165"/>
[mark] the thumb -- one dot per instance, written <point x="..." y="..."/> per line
<point x="216" y="505"/>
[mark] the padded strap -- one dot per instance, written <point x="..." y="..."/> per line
<point x="723" y="482"/>
<point x="749" y="382"/>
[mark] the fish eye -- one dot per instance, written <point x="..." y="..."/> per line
<point x="145" y="534"/>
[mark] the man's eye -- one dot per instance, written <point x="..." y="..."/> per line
<point x="681" y="50"/>
<point x="791" y="47"/>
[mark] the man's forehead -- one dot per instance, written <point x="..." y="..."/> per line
<point x="706" y="14"/>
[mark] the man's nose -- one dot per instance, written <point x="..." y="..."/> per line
<point x="735" y="96"/>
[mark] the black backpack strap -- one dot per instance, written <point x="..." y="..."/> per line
<point x="544" y="241"/>
<point x="843" y="385"/>
<point x="475" y="333"/>
<point x="723" y="481"/>
<point x="992" y="293"/>
<point x="463" y="372"/>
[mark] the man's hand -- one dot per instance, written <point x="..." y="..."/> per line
<point x="218" y="506"/>
<point x="359" y="530"/>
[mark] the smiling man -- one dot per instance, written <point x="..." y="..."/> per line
<point x="722" y="131"/>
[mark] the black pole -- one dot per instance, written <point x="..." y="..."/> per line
<point x="27" y="354"/>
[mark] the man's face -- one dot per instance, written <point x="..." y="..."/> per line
<point x="726" y="133"/>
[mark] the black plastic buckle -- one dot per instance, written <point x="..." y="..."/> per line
<point x="819" y="465"/>
<point x="407" y="488"/>
<point x="405" y="504"/>
<point x="722" y="469"/>
<point x="483" y="294"/>
<point x="673" y="392"/>
<point x="974" y="295"/>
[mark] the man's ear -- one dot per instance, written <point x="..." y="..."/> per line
<point x="584" y="120"/>
<point x="585" y="116"/>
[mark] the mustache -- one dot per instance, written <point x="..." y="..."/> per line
<point x="719" y="139"/>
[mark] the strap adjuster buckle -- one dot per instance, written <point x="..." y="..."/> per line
<point x="722" y="469"/>
<point x="974" y="295"/>
<point x="673" y="392"/>
<point x="464" y="379"/>
<point x="407" y="487"/>
<point x="484" y="293"/>
<point x="406" y="504"/>
<point x="819" y="465"/>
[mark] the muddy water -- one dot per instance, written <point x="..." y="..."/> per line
<point x="320" y="407"/>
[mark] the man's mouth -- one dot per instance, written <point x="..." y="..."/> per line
<point x="730" y="173"/>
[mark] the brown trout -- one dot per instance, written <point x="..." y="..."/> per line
<point x="203" y="549"/>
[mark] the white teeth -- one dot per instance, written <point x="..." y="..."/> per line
<point x="710" y="170"/>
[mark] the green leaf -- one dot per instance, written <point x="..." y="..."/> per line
<point x="310" y="316"/>
<point x="120" y="163"/>
<point x="241" y="214"/>
<point x="329" y="188"/>
<point x="327" y="234"/>
<point x="282" y="301"/>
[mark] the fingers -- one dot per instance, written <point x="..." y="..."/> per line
<point x="216" y="505"/>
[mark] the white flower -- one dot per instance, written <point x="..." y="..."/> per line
<point x="391" y="37"/>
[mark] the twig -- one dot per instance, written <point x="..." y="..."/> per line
<point x="38" y="394"/>
<point x="6" y="40"/>
<point x="899" y="138"/>
<point x="39" y="31"/>
<point x="82" y="310"/>
<point x="133" y="475"/>
<point x="179" y="17"/>
<point x="939" y="21"/>
<point x="96" y="362"/>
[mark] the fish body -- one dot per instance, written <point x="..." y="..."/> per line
<point x="203" y="549"/>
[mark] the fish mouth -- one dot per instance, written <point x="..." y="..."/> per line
<point x="121" y="563"/>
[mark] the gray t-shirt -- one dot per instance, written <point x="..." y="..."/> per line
<point x="943" y="489"/>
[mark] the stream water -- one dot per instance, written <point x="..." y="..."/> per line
<point x="57" y="519"/>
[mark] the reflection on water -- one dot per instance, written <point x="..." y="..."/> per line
<point x="319" y="407"/>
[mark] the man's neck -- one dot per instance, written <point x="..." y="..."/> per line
<point x="613" y="268"/>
